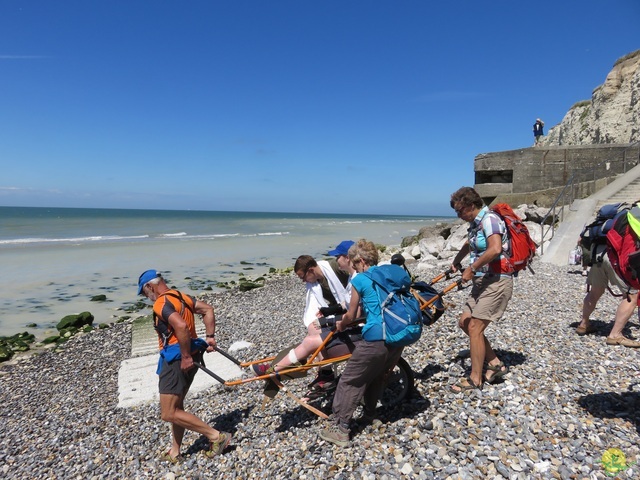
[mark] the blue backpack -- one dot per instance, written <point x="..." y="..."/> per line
<point x="401" y="315"/>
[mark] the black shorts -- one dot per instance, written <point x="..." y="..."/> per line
<point x="342" y="343"/>
<point x="173" y="381"/>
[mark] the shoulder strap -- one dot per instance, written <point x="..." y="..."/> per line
<point x="162" y="326"/>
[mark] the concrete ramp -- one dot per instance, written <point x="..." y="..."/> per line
<point x="138" y="382"/>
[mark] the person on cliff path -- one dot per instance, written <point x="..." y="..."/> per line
<point x="491" y="273"/>
<point x="174" y="320"/>
<point x="538" y="131"/>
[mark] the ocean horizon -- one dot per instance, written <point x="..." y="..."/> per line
<point x="56" y="259"/>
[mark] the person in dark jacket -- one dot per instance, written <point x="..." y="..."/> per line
<point x="538" y="131"/>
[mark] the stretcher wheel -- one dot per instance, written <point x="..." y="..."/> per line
<point x="400" y="384"/>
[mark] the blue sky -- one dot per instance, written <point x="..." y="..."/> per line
<point x="297" y="106"/>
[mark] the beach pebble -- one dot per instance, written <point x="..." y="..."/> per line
<point x="566" y="400"/>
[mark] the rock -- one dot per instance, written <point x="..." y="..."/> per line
<point x="406" y="253"/>
<point x="535" y="230"/>
<point x="457" y="239"/>
<point x="536" y="214"/>
<point x="431" y="245"/>
<point x="553" y="416"/>
<point x="5" y="353"/>
<point x="78" y="321"/>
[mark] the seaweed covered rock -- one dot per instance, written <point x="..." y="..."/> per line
<point x="77" y="321"/>
<point x="16" y="343"/>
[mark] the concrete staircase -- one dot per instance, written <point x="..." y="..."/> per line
<point x="629" y="194"/>
<point x="626" y="188"/>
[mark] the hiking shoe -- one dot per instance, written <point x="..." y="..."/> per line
<point x="334" y="433"/>
<point x="262" y="369"/>
<point x="217" y="447"/>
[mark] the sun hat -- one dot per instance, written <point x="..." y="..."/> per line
<point x="341" y="249"/>
<point x="145" y="278"/>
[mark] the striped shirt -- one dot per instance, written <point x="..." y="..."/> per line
<point x="480" y="229"/>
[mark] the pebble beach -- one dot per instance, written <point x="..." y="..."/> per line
<point x="565" y="402"/>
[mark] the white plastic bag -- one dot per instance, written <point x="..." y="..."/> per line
<point x="575" y="256"/>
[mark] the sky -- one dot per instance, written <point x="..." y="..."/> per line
<point x="369" y="107"/>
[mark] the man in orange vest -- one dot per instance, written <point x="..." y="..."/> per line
<point x="174" y="320"/>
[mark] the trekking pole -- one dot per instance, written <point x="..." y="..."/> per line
<point x="427" y="303"/>
<point x="446" y="274"/>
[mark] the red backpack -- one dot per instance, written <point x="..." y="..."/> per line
<point x="522" y="248"/>
<point x="623" y="250"/>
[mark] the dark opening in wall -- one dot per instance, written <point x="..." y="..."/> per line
<point x="494" y="176"/>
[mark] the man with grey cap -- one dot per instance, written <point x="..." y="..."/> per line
<point x="174" y="320"/>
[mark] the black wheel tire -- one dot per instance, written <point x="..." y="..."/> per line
<point x="400" y="384"/>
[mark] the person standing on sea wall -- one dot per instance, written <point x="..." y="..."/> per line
<point x="174" y="320"/>
<point x="538" y="131"/>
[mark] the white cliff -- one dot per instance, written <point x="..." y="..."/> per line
<point x="611" y="116"/>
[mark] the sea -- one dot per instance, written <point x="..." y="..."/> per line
<point x="55" y="260"/>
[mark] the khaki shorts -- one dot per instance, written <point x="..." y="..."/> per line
<point x="489" y="297"/>
<point x="602" y="273"/>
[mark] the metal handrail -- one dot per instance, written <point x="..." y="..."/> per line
<point x="569" y="190"/>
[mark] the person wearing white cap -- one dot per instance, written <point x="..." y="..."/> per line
<point x="174" y="321"/>
<point x="538" y="131"/>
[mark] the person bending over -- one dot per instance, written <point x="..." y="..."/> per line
<point x="364" y="375"/>
<point x="174" y="317"/>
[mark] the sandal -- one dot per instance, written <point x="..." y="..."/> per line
<point x="499" y="371"/>
<point x="465" y="385"/>
<point x="586" y="330"/>
<point x="168" y="458"/>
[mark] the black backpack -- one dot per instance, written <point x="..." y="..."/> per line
<point x="595" y="233"/>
